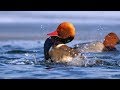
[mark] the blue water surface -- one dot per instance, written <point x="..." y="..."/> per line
<point x="21" y="53"/>
<point x="22" y="36"/>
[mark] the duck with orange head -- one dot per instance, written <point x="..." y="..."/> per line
<point x="110" y="40"/>
<point x="55" y="47"/>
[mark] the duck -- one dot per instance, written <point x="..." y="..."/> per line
<point x="109" y="43"/>
<point x="55" y="48"/>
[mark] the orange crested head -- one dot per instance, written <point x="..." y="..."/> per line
<point x="64" y="30"/>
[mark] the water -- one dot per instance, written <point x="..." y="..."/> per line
<point x="21" y="50"/>
<point x="23" y="59"/>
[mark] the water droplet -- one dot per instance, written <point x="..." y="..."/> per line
<point x="99" y="32"/>
<point x="41" y="26"/>
<point x="77" y="45"/>
<point x="26" y="54"/>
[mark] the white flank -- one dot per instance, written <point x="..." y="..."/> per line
<point x="59" y="45"/>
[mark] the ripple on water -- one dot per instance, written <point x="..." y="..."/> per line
<point x="25" y="59"/>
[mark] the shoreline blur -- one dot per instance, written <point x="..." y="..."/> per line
<point x="34" y="25"/>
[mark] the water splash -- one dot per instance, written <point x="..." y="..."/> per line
<point x="33" y="56"/>
<point x="100" y="33"/>
<point x="118" y="62"/>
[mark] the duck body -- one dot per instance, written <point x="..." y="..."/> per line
<point x="95" y="46"/>
<point x="58" y="51"/>
<point x="62" y="53"/>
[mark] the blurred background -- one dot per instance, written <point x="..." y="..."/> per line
<point x="34" y="25"/>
